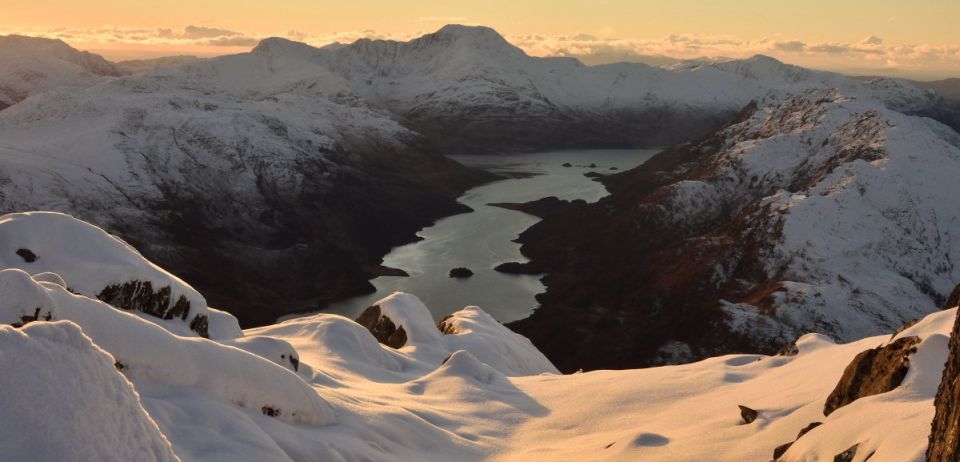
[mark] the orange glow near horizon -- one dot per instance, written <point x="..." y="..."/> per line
<point x="914" y="39"/>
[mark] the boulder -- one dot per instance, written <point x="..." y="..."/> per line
<point x="382" y="327"/>
<point x="872" y="372"/>
<point x="748" y="415"/>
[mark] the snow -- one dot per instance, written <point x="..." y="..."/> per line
<point x="851" y="199"/>
<point x="479" y="392"/>
<point x="64" y="400"/>
<point x="64" y="247"/>
<point x="32" y="65"/>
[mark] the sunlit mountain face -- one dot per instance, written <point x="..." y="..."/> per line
<point x="542" y="231"/>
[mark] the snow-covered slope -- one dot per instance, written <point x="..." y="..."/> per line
<point x="814" y="212"/>
<point x="232" y="170"/>
<point x="30" y="65"/>
<point x="113" y="385"/>
<point x="64" y="400"/>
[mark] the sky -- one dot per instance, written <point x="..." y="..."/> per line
<point x="915" y="38"/>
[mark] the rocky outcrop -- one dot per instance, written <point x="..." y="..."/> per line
<point x="872" y="372"/>
<point x="27" y="255"/>
<point x="747" y="415"/>
<point x="944" y="445"/>
<point x="954" y="298"/>
<point x="382" y="327"/>
<point x="782" y="449"/>
<point x="141" y="296"/>
<point x="445" y="327"/>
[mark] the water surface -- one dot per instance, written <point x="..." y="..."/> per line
<point x="483" y="239"/>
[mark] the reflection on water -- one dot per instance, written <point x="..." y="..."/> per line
<point x="483" y="239"/>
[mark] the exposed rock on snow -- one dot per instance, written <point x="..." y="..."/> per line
<point x="67" y="247"/>
<point x="780" y="450"/>
<point x="382" y="328"/>
<point x="747" y="415"/>
<point x="872" y="372"/>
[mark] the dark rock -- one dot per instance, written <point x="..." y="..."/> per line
<point x="872" y="372"/>
<point x="904" y="327"/>
<point x="748" y="415"/>
<point x="848" y="455"/>
<point x="810" y="426"/>
<point x="294" y="361"/>
<point x="954" y="298"/>
<point x="594" y="175"/>
<point x="140" y="296"/>
<point x="382" y="327"/>
<point x="27" y="255"/>
<point x="944" y="443"/>
<point x="782" y="449"/>
<point x="592" y="166"/>
<point x="790" y="349"/>
<point x="567" y="164"/>
<point x="614" y="168"/>
<point x="201" y="325"/>
<point x="445" y="327"/>
<point x="460" y="272"/>
<point x="270" y="411"/>
<point x="27" y="319"/>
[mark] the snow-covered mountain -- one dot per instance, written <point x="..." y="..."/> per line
<point x="139" y="66"/>
<point x="30" y="65"/>
<point x="108" y="381"/>
<point x="275" y="180"/>
<point x="817" y="212"/>
<point x="468" y="89"/>
<point x="231" y="170"/>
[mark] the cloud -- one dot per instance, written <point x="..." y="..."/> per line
<point x="870" y="55"/>
<point x="794" y="46"/>
<point x="196" y="32"/>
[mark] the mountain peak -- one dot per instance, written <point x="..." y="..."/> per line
<point x="475" y="36"/>
<point x="278" y="46"/>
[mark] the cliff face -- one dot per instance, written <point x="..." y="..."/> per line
<point x="945" y="429"/>
<point x="802" y="215"/>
